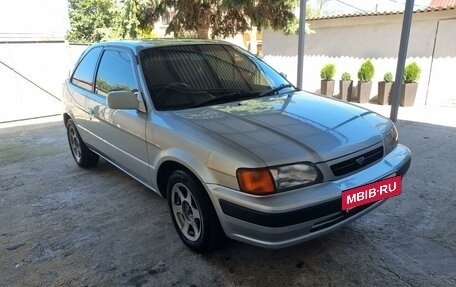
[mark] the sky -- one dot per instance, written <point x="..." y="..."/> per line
<point x="332" y="7"/>
<point x="47" y="18"/>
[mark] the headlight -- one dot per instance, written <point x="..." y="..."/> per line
<point x="290" y="176"/>
<point x="270" y="180"/>
<point x="391" y="139"/>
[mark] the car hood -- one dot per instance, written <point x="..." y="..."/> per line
<point x="292" y="128"/>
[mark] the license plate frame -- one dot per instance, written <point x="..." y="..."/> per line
<point x="386" y="187"/>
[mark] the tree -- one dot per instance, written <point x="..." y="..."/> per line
<point x="129" y="21"/>
<point x="320" y="4"/>
<point x="137" y="17"/>
<point x="95" y="20"/>
<point x="91" y="20"/>
<point x="228" y="17"/>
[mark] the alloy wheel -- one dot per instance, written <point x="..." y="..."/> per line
<point x="74" y="143"/>
<point x="186" y="212"/>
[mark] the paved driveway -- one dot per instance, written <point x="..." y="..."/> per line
<point x="61" y="225"/>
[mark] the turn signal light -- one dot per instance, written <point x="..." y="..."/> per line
<point x="255" y="181"/>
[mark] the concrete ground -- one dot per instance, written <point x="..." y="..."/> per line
<point x="61" y="225"/>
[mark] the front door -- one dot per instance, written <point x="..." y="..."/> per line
<point x="119" y="135"/>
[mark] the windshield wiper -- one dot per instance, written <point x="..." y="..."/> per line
<point x="225" y="90"/>
<point x="276" y="89"/>
<point x="172" y="86"/>
<point x="229" y="97"/>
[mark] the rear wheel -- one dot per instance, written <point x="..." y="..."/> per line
<point x="82" y="155"/>
<point x="193" y="214"/>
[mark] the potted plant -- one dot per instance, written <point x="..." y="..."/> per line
<point x="365" y="75"/>
<point x="345" y="87"/>
<point x="412" y="73"/>
<point x="327" y="81"/>
<point x="384" y="89"/>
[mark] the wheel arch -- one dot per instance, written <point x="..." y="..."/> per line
<point x="211" y="234"/>
<point x="168" y="165"/>
<point x="66" y="117"/>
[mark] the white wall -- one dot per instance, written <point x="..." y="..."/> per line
<point x="441" y="85"/>
<point x="47" y="64"/>
<point x="347" y="42"/>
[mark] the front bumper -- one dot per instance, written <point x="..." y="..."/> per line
<point x="288" y="218"/>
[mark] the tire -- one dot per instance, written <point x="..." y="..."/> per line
<point x="193" y="214"/>
<point x="82" y="155"/>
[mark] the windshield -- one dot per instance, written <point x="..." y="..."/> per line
<point x="187" y="76"/>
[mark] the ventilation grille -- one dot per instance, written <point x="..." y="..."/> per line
<point x="357" y="162"/>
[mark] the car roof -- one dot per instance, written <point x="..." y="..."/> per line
<point x="140" y="44"/>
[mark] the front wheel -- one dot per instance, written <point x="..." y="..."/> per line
<point x="193" y="214"/>
<point x="82" y="155"/>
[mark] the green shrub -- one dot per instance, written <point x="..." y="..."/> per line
<point x="346" y="76"/>
<point x="412" y="73"/>
<point x="366" y="71"/>
<point x="388" y="77"/>
<point x="328" y="72"/>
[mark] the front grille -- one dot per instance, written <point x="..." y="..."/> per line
<point x="357" y="162"/>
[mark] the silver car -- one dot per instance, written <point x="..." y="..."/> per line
<point x="235" y="149"/>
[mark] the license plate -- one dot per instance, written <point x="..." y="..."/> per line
<point x="385" y="188"/>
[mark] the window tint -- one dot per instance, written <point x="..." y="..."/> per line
<point x="83" y="75"/>
<point x="205" y="67"/>
<point x="115" y="73"/>
<point x="183" y="76"/>
<point x="236" y="70"/>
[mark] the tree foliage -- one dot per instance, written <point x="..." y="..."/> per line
<point x="345" y="76"/>
<point x="90" y="20"/>
<point x="227" y="17"/>
<point x="366" y="71"/>
<point x="95" y="20"/>
<point x="137" y="18"/>
<point x="328" y="71"/>
<point x="412" y="73"/>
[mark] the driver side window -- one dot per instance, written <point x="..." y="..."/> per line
<point x="115" y="73"/>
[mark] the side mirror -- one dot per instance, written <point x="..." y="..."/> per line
<point x="125" y="100"/>
<point x="283" y="74"/>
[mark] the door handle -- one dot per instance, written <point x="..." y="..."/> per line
<point x="91" y="113"/>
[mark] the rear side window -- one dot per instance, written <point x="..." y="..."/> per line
<point x="83" y="75"/>
<point x="115" y="73"/>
